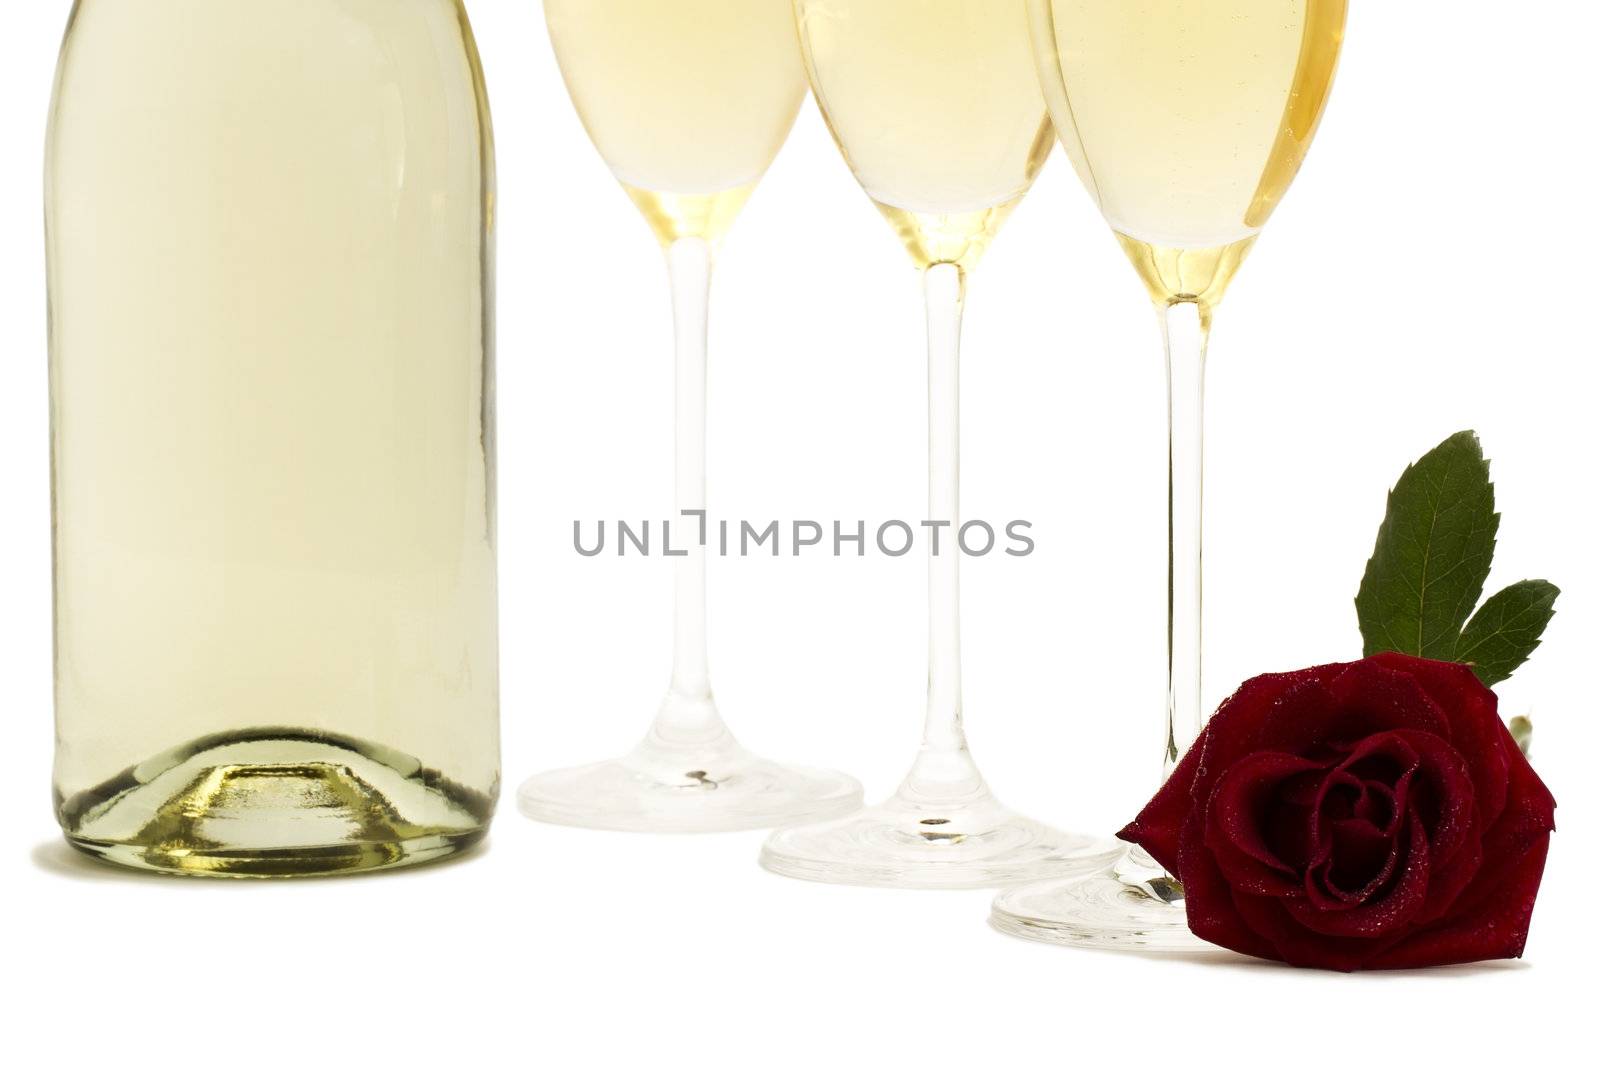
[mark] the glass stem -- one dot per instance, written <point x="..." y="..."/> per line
<point x="688" y="715"/>
<point x="944" y="771"/>
<point x="1186" y="329"/>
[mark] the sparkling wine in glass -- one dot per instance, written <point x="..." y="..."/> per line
<point x="1186" y="120"/>
<point x="937" y="110"/>
<point x="688" y="102"/>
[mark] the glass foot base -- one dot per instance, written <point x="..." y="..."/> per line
<point x="669" y="790"/>
<point x="1136" y="907"/>
<point x="928" y="846"/>
<point x="271" y="803"/>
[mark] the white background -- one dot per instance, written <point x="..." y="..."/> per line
<point x="1431" y="271"/>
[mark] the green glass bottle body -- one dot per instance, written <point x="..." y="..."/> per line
<point x="269" y="229"/>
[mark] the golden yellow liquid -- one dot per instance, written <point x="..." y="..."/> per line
<point x="270" y="263"/>
<point x="937" y="109"/>
<point x="688" y="101"/>
<point x="1187" y="119"/>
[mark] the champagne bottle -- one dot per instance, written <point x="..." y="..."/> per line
<point x="270" y="255"/>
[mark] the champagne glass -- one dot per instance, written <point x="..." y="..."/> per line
<point x="688" y="102"/>
<point x="936" y="109"/>
<point x="1187" y="120"/>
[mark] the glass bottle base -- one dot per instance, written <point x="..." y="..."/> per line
<point x="274" y="803"/>
<point x="665" y="789"/>
<point x="280" y="863"/>
<point x="1134" y="907"/>
<point x="933" y="846"/>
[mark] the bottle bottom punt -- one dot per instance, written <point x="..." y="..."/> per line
<point x="275" y="803"/>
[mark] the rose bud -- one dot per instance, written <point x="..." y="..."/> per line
<point x="1374" y="814"/>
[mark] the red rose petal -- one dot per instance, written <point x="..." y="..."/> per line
<point x="1235" y="819"/>
<point x="1443" y="774"/>
<point x="1365" y="759"/>
<point x="1367" y="699"/>
<point x="1450" y="878"/>
<point x="1382" y="915"/>
<point x="1489" y="915"/>
<point x="1251" y="719"/>
<point x="1291" y="942"/>
<point x="1380" y="805"/>
<point x="1494" y="926"/>
<point x="1337" y="798"/>
<point x="1288" y="823"/>
<point x="1363" y="859"/>
<point x="1384" y="758"/>
<point x="1475" y="726"/>
<point x="1209" y="905"/>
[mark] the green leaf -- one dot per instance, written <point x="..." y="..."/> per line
<point x="1432" y="554"/>
<point x="1506" y="630"/>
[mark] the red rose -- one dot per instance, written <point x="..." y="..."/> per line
<point x="1356" y="815"/>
